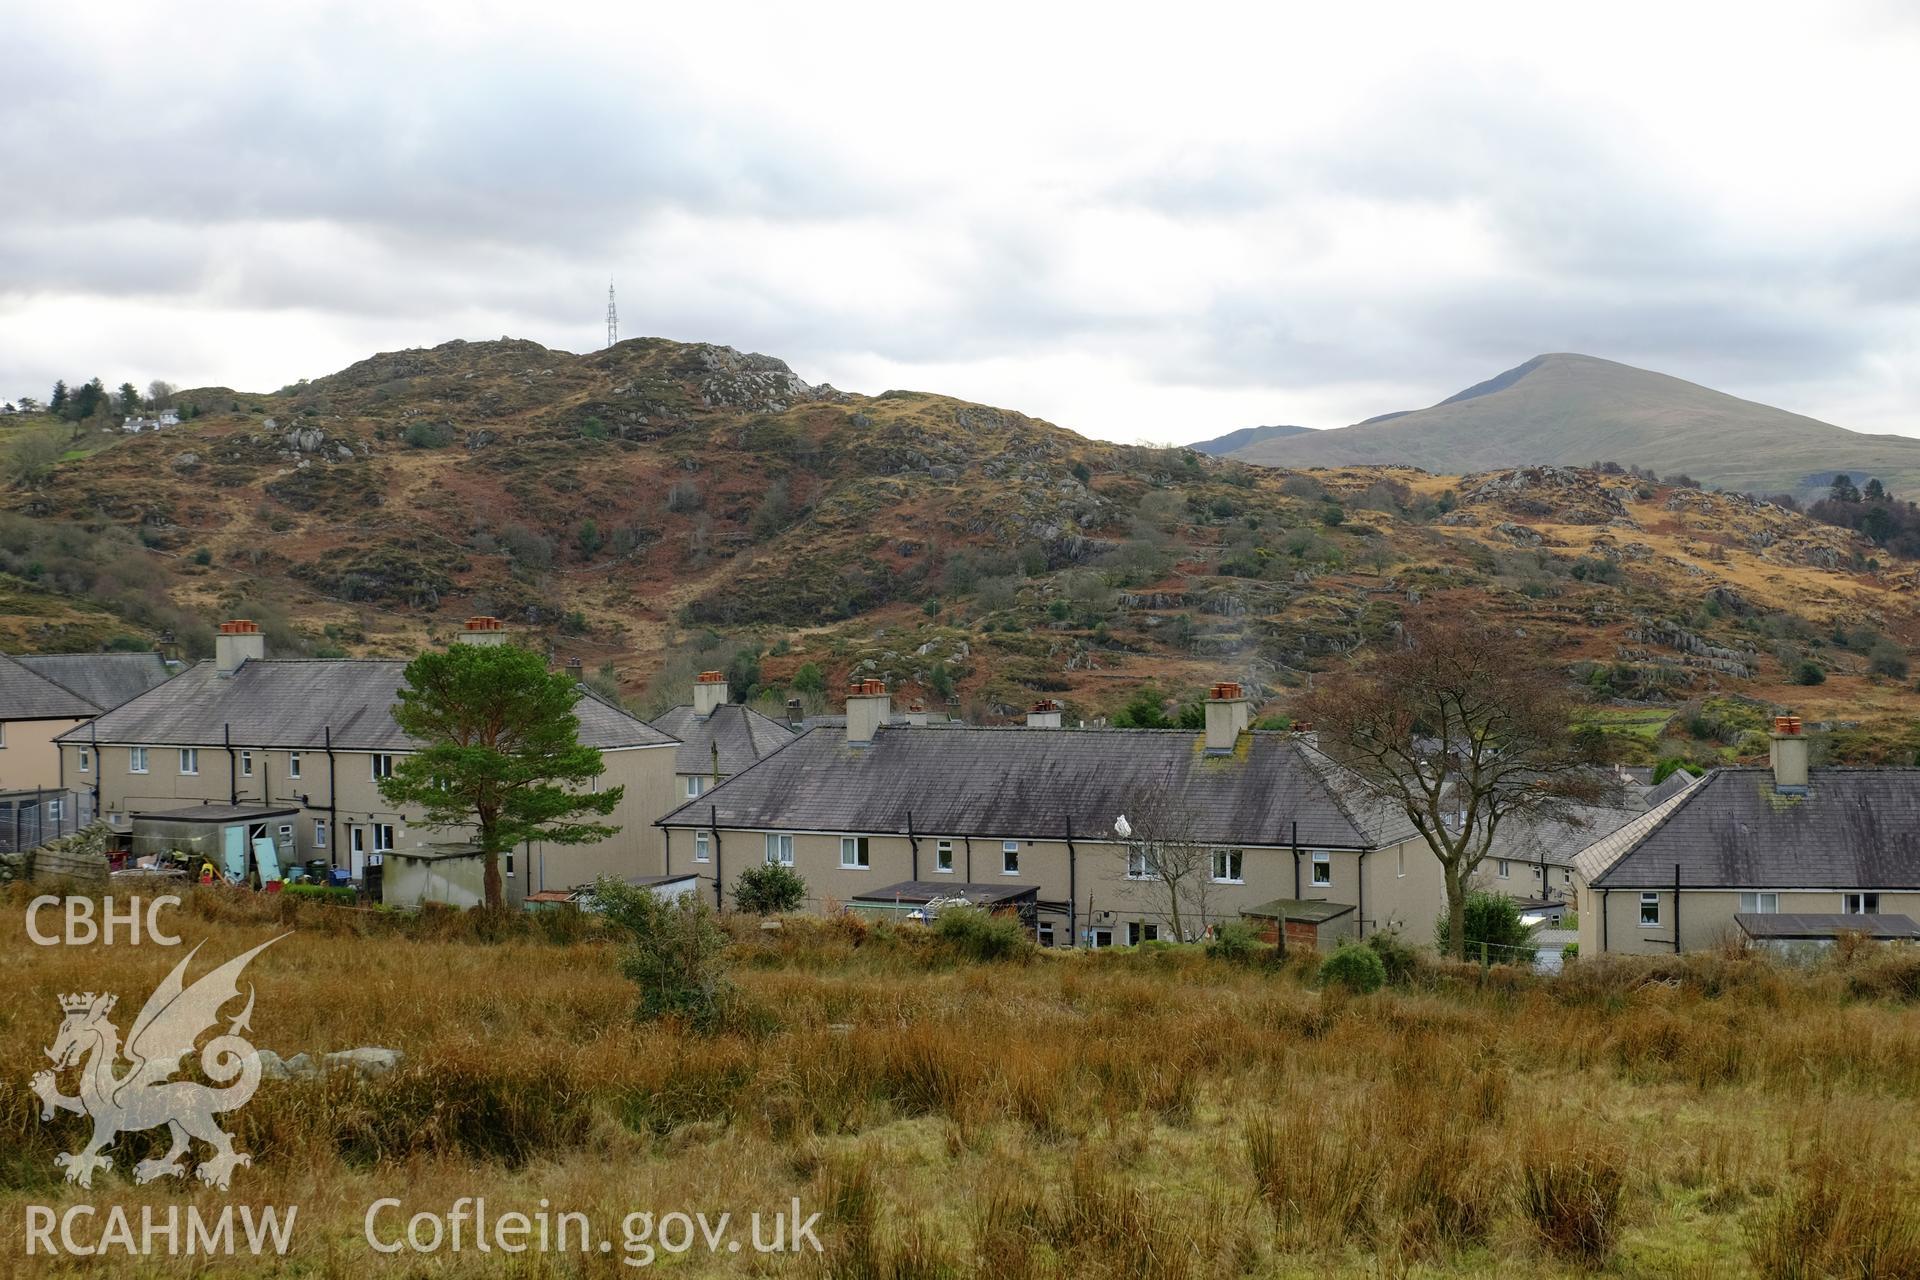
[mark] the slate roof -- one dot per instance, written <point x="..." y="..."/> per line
<point x="104" y="679"/>
<point x="742" y="735"/>
<point x="25" y="694"/>
<point x="292" y="702"/>
<point x="1020" y="782"/>
<point x="1804" y="926"/>
<point x="1852" y="829"/>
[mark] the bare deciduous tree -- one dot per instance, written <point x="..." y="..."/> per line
<point x="1464" y="725"/>
<point x="1165" y="859"/>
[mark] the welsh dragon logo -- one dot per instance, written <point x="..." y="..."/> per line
<point x="145" y="1097"/>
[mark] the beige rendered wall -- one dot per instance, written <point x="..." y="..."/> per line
<point x="1706" y="916"/>
<point x="354" y="795"/>
<point x="1106" y="896"/>
<point x="29" y="760"/>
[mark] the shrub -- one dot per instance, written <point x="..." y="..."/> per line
<point x="1493" y="919"/>
<point x="1354" y="967"/>
<point x="1572" y="1197"/>
<point x="341" y="895"/>
<point x="203" y="555"/>
<point x="808" y="679"/>
<point x="769" y="889"/>
<point x="1888" y="659"/>
<point x="427" y="435"/>
<point x="1400" y="960"/>
<point x="1569" y="953"/>
<point x="1810" y="672"/>
<point x="1672" y="764"/>
<point x="1236" y="943"/>
<point x="675" y="953"/>
<point x="976" y="935"/>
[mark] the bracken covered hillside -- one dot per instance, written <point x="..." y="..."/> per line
<point x="659" y="506"/>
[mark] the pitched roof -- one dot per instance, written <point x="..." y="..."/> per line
<point x="742" y="735"/>
<point x="104" y="679"/>
<point x="25" y="694"/>
<point x="1852" y="829"/>
<point x="293" y="702"/>
<point x="1030" y="782"/>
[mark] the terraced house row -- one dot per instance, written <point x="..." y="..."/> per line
<point x="1071" y="827"/>
<point x="1095" y="836"/>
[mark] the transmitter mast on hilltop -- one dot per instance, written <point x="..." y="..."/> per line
<point x="613" y="317"/>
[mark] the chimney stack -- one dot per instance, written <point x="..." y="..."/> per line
<point x="709" y="693"/>
<point x="917" y="713"/>
<point x="794" y="713"/>
<point x="1788" y="756"/>
<point x="237" y="643"/>
<point x="483" y="630"/>
<point x="868" y="707"/>
<point x="1045" y="714"/>
<point x="1229" y="714"/>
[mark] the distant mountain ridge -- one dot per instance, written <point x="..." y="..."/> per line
<point x="1220" y="446"/>
<point x="1571" y="410"/>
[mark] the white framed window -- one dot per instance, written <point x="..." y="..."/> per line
<point x="246" y="764"/>
<point x="780" y="850"/>
<point x="1227" y="866"/>
<point x="1323" y="868"/>
<point x="1759" y="904"/>
<point x="696" y="785"/>
<point x="382" y="766"/>
<point x="136" y="759"/>
<point x="1503" y="868"/>
<point x="509" y="864"/>
<point x="853" y="853"/>
<point x="943" y="856"/>
<point x="1539" y="873"/>
<point x="286" y="835"/>
<point x="1649" y="910"/>
<point x="3" y="734"/>
<point x="1009" y="857"/>
<point x="1400" y="867"/>
<point x="1139" y="931"/>
<point x="319" y="833"/>
<point x="1859" y="904"/>
<point x="55" y="808"/>
<point x="383" y="837"/>
<point x="86" y="760"/>
<point x="293" y="764"/>
<point x="1137" y="865"/>
<point x="703" y="847"/>
<point x="1045" y="931"/>
<point x="189" y="761"/>
<point x="1566" y="875"/>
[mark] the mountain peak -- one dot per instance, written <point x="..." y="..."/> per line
<point x="1568" y="409"/>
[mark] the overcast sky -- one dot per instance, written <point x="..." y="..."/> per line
<point x="1155" y="227"/>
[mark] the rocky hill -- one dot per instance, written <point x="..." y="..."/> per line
<point x="1572" y="410"/>
<point x="658" y="507"/>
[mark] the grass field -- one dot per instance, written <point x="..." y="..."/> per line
<point x="1149" y="1113"/>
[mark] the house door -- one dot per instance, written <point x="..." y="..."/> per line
<point x="357" y="850"/>
<point x="1098" y="938"/>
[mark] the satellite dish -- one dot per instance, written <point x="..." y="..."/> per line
<point x="1121" y="827"/>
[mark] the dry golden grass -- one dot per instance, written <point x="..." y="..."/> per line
<point x="1143" y="1114"/>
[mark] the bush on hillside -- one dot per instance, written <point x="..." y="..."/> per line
<point x="1357" y="968"/>
<point x="1493" y="919"/>
<point x="769" y="889"/>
